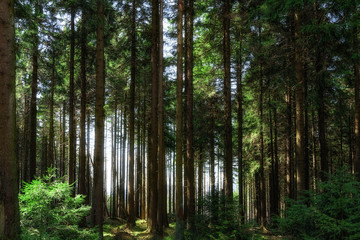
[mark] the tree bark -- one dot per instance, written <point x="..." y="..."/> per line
<point x="72" y="134"/>
<point x="9" y="204"/>
<point x="357" y="104"/>
<point x="131" y="201"/>
<point x="239" y="99"/>
<point x="228" y="157"/>
<point x="299" y="101"/>
<point x="161" y="203"/>
<point x="189" y="116"/>
<point x="179" y="230"/>
<point x="98" y="207"/>
<point x="154" y="115"/>
<point x="33" y="108"/>
<point x="82" y="159"/>
<point x="51" y="157"/>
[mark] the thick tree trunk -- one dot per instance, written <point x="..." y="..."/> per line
<point x="9" y="204"/>
<point x="179" y="231"/>
<point x="299" y="101"/>
<point x="97" y="206"/>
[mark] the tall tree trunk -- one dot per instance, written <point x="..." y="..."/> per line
<point x="306" y="131"/>
<point x="262" y="196"/>
<point x="320" y="86"/>
<point x="276" y="167"/>
<point x="97" y="206"/>
<point x="63" y="142"/>
<point x="212" y="162"/>
<point x="189" y="117"/>
<point x="138" y="195"/>
<point x="113" y="163"/>
<point x="44" y="145"/>
<point x="33" y="109"/>
<point x="82" y="159"/>
<point x="25" y="165"/>
<point x="289" y="148"/>
<point x="239" y="97"/>
<point x="200" y="182"/>
<point x="131" y="202"/>
<point x="179" y="230"/>
<point x="299" y="101"/>
<point x="357" y="103"/>
<point x="9" y="204"/>
<point x="228" y="157"/>
<point x="122" y="177"/>
<point x="72" y="133"/>
<point x="161" y="204"/>
<point x="314" y="163"/>
<point x="143" y="195"/>
<point x="51" y="155"/>
<point x="87" y="176"/>
<point x="154" y="114"/>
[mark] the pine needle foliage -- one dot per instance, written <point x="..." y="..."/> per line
<point x="331" y="213"/>
<point x="48" y="211"/>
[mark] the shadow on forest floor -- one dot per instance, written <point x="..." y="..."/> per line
<point x="117" y="229"/>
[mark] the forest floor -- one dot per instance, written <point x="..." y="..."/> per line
<point x="116" y="229"/>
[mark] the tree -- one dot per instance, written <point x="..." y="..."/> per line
<point x="9" y="203"/>
<point x="82" y="158"/>
<point x="179" y="85"/>
<point x="34" y="87"/>
<point x="97" y="205"/>
<point x="154" y="114"/>
<point x="189" y="114"/>
<point x="72" y="134"/>
<point x="228" y="157"/>
<point x="131" y="201"/>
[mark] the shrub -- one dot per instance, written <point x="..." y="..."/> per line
<point x="331" y="213"/>
<point x="220" y="220"/>
<point x="47" y="210"/>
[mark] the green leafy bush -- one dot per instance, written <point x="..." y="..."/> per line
<point x="331" y="213"/>
<point x="47" y="210"/>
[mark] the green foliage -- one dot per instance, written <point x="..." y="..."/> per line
<point x="48" y="211"/>
<point x="331" y="213"/>
<point x="220" y="220"/>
